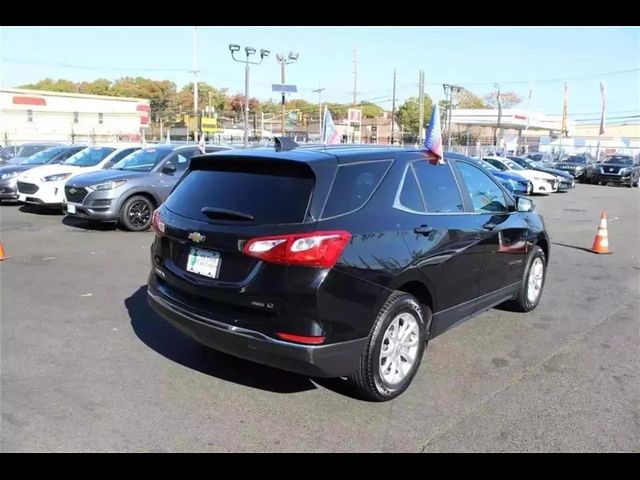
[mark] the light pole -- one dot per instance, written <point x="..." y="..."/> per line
<point x="319" y="92"/>
<point x="248" y="51"/>
<point x="282" y="60"/>
<point x="450" y="89"/>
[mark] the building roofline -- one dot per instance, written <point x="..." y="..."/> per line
<point x="25" y="91"/>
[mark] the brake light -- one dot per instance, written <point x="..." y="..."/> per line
<point x="316" y="249"/>
<point x="157" y="223"/>
<point x="301" y="338"/>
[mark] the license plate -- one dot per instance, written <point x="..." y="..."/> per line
<point x="203" y="262"/>
<point x="71" y="208"/>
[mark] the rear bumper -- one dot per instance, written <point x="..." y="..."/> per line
<point x="333" y="360"/>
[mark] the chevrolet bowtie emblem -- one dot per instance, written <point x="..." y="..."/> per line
<point x="197" y="237"/>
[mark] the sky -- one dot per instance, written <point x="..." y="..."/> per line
<point x="474" y="58"/>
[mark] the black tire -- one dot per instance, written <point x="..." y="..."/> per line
<point x="636" y="183"/>
<point x="136" y="213"/>
<point x="522" y="303"/>
<point x="367" y="379"/>
<point x="630" y="184"/>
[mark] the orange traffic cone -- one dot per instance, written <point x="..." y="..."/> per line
<point x="2" y="255"/>
<point x="601" y="242"/>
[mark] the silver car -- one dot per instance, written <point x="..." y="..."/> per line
<point x="133" y="188"/>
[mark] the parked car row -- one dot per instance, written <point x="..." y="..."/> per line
<point x="120" y="183"/>
<point x="538" y="178"/>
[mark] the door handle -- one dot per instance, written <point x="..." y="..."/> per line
<point x="489" y="226"/>
<point x="423" y="230"/>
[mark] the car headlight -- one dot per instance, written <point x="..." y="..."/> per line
<point x="625" y="171"/>
<point x="56" y="178"/>
<point x="108" y="185"/>
<point x="579" y="167"/>
<point x="600" y="169"/>
<point x="7" y="176"/>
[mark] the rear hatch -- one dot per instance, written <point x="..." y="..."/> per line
<point x="220" y="204"/>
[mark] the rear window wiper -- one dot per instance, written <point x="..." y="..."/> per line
<point x="225" y="214"/>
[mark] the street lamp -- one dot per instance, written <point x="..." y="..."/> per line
<point x="448" y="90"/>
<point x="291" y="58"/>
<point x="233" y="48"/>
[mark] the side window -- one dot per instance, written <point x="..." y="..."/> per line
<point x="439" y="187"/>
<point x="353" y="185"/>
<point x="486" y="195"/>
<point x="181" y="160"/>
<point x="498" y="165"/>
<point x="410" y="195"/>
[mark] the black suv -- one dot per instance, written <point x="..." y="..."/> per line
<point x="618" y="169"/>
<point x="582" y="167"/>
<point x="340" y="261"/>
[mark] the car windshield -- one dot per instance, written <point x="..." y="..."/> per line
<point x="28" y="150"/>
<point x="142" y="160"/>
<point x="537" y="157"/>
<point x="574" y="159"/>
<point x="512" y="165"/>
<point x="619" y="159"/>
<point x="89" y="157"/>
<point x="535" y="164"/>
<point x="488" y="166"/>
<point x="40" y="158"/>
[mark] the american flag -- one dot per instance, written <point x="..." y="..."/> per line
<point x="330" y="133"/>
<point x="201" y="144"/>
<point x="433" y="139"/>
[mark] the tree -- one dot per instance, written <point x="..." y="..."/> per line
<point x="100" y="86"/>
<point x="408" y="115"/>
<point x="49" y="84"/>
<point x="370" y="110"/>
<point x="508" y="99"/>
<point x="338" y="111"/>
<point x="465" y="99"/>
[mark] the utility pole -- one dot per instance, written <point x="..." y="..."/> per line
<point x="495" y="139"/>
<point x="421" y="103"/>
<point x="393" y="106"/>
<point x="319" y="92"/>
<point x="355" y="90"/>
<point x="195" y="85"/>
<point x="448" y="90"/>
<point x="291" y="58"/>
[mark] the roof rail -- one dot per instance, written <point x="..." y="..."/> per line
<point x="284" y="144"/>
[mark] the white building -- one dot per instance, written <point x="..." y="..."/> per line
<point x="37" y="115"/>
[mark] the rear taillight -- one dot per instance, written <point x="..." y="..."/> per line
<point x="301" y="338"/>
<point x="316" y="249"/>
<point x="157" y="223"/>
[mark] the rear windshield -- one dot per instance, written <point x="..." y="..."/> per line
<point x="269" y="196"/>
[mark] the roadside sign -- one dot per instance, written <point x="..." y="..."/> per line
<point x="280" y="87"/>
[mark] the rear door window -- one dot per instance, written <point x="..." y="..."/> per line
<point x="439" y="187"/>
<point x="353" y="186"/>
<point x="268" y="195"/>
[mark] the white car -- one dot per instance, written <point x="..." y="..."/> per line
<point x="542" y="182"/>
<point x="45" y="185"/>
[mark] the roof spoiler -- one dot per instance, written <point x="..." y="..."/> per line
<point x="284" y="144"/>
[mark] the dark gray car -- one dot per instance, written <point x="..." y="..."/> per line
<point x="133" y="188"/>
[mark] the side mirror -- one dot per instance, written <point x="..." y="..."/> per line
<point x="523" y="204"/>
<point x="169" y="168"/>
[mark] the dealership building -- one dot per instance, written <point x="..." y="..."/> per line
<point x="43" y="116"/>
